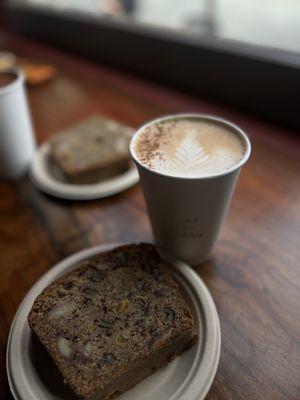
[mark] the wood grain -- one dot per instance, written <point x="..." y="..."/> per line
<point x="254" y="274"/>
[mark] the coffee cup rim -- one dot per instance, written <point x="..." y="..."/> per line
<point x="14" y="84"/>
<point x="208" y="117"/>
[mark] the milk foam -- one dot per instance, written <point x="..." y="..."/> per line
<point x="188" y="148"/>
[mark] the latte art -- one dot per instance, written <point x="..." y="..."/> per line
<point x="188" y="148"/>
<point x="190" y="156"/>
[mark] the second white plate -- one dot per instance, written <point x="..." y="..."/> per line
<point x="33" y="376"/>
<point x="48" y="179"/>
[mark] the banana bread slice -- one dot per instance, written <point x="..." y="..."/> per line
<point x="93" y="150"/>
<point x="113" y="321"/>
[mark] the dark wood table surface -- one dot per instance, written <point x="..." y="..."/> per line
<point x="254" y="273"/>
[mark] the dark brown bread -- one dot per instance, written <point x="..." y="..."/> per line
<point x="93" y="150"/>
<point x="113" y="321"/>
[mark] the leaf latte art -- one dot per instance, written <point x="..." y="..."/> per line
<point x="188" y="148"/>
<point x="190" y="156"/>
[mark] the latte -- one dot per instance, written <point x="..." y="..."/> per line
<point x="188" y="147"/>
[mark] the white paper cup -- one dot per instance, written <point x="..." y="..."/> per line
<point x="16" y="136"/>
<point x="186" y="213"/>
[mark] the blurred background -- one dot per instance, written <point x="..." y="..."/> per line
<point x="272" y="23"/>
<point x="242" y="53"/>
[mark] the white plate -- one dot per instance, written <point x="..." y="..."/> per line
<point x="33" y="376"/>
<point x="48" y="179"/>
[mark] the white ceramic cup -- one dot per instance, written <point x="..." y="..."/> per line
<point x="186" y="213"/>
<point x="17" y="142"/>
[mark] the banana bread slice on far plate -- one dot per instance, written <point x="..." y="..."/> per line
<point x="94" y="150"/>
<point x="113" y="321"/>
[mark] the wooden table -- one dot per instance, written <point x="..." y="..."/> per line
<point x="254" y="273"/>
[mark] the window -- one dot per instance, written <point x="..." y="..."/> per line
<point x="244" y="53"/>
